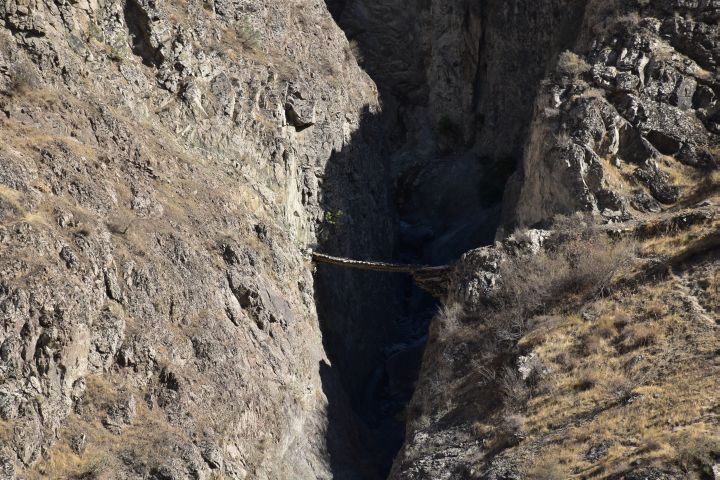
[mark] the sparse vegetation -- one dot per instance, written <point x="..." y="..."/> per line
<point x="333" y="222"/>
<point x="602" y="358"/>
<point x="537" y="356"/>
<point x="639" y="335"/>
<point x="449" y="317"/>
<point x="587" y="379"/>
<point x="570" y="63"/>
<point x="247" y="36"/>
<point x="583" y="263"/>
<point x="513" y="387"/>
<point x="22" y="79"/>
<point x="334" y="217"/>
<point x="353" y="51"/>
<point x="147" y="441"/>
<point x="608" y="352"/>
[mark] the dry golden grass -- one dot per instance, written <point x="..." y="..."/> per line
<point x="9" y="194"/>
<point x="635" y="368"/>
<point x="149" y="439"/>
<point x="668" y="241"/>
<point x="39" y="216"/>
<point x="31" y="139"/>
<point x="643" y="361"/>
<point x="6" y="431"/>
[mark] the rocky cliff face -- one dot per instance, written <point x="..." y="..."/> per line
<point x="551" y="358"/>
<point x="165" y="166"/>
<point x="625" y="125"/>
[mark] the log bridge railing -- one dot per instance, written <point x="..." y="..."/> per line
<point x="431" y="279"/>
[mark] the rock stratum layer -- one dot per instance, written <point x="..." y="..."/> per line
<point x="164" y="167"/>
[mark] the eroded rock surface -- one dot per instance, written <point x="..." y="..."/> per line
<point x="617" y="126"/>
<point x="161" y="169"/>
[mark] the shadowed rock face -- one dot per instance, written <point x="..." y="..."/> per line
<point x="454" y="84"/>
<point x="458" y="81"/>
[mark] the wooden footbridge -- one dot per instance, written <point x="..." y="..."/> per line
<point x="434" y="280"/>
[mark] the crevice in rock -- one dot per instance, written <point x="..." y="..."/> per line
<point x="664" y="143"/>
<point x="138" y="23"/>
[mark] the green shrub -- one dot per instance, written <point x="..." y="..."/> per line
<point x="334" y="217"/>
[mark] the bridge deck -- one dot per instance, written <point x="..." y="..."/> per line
<point x="431" y="279"/>
<point x="375" y="266"/>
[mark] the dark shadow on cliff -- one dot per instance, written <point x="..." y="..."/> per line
<point x="367" y="328"/>
<point x="352" y="455"/>
<point x="414" y="186"/>
<point x="375" y="325"/>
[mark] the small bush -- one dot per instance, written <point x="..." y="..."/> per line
<point x="592" y="344"/>
<point x="650" y="443"/>
<point x="247" y="36"/>
<point x="586" y="380"/>
<point x="655" y="309"/>
<point x="622" y="384"/>
<point x="513" y="388"/>
<point x="621" y="320"/>
<point x="606" y="327"/>
<point x="353" y="51"/>
<point x="334" y="217"/>
<point x="582" y="264"/>
<point x="572" y="64"/>
<point x="450" y="317"/>
<point x="636" y="336"/>
<point x="22" y="80"/>
<point x="333" y="222"/>
<point x="566" y="360"/>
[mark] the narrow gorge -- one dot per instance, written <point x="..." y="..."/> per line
<point x="456" y="109"/>
<point x="169" y="169"/>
